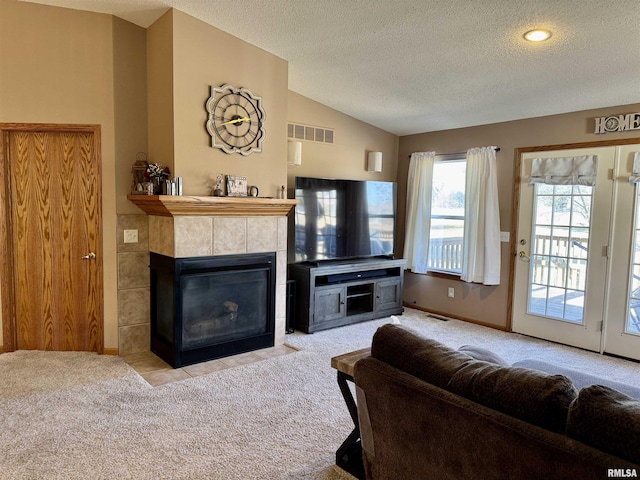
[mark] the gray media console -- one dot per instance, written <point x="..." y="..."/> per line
<point x="339" y="293"/>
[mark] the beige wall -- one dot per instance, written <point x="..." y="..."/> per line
<point x="484" y="304"/>
<point x="187" y="57"/>
<point x="130" y="104"/>
<point x="347" y="157"/>
<point x="160" y="133"/>
<point x="64" y="75"/>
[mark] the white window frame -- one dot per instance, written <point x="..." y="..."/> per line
<point x="458" y="158"/>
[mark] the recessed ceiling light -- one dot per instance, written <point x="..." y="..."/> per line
<point x="537" y="35"/>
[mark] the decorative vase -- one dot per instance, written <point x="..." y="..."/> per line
<point x="157" y="185"/>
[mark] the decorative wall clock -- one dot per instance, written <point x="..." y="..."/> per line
<point x="236" y="120"/>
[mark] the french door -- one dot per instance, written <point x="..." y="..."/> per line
<point x="622" y="312"/>
<point x="575" y="280"/>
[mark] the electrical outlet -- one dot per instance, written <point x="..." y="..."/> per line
<point x="131" y="236"/>
<point x="451" y="292"/>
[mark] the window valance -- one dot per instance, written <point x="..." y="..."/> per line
<point x="565" y="170"/>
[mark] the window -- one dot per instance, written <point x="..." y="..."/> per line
<point x="451" y="226"/>
<point x="447" y="215"/>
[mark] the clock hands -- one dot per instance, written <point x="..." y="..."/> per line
<point x="236" y="121"/>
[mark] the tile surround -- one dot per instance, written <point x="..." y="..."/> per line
<point x="133" y="222"/>
<point x="133" y="285"/>
<point x="189" y="236"/>
<point x="193" y="236"/>
<point x="134" y="339"/>
<point x="133" y="306"/>
<point x="133" y="270"/>
<point x="262" y="234"/>
<point x="230" y="235"/>
<point x="161" y="238"/>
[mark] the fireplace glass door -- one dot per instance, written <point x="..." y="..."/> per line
<point x="223" y="306"/>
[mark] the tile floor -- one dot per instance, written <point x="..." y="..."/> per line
<point x="157" y="372"/>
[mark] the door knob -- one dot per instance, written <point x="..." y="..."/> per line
<point x="90" y="256"/>
<point x="523" y="255"/>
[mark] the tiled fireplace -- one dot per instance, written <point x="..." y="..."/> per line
<point x="203" y="229"/>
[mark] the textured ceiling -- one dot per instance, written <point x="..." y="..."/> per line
<point x="412" y="66"/>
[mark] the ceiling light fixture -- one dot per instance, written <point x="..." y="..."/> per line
<point x="537" y="35"/>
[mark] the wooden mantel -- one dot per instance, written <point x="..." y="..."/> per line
<point x="174" y="205"/>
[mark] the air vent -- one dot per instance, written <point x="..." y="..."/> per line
<point x="310" y="133"/>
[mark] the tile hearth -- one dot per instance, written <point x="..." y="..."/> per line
<point x="156" y="372"/>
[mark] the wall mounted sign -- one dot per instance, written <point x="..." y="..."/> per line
<point x="618" y="123"/>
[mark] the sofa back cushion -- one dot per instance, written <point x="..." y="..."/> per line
<point x="535" y="397"/>
<point x="606" y="419"/>
<point x="483" y="354"/>
<point x="423" y="358"/>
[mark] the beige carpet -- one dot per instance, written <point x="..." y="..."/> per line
<point x="79" y="415"/>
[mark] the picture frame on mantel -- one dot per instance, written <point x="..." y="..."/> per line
<point x="236" y="186"/>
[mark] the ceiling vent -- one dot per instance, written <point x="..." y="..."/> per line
<point x="296" y="131"/>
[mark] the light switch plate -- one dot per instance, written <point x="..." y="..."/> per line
<point x="131" y="236"/>
<point x="504" y="236"/>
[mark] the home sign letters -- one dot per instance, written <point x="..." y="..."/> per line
<point x="618" y="123"/>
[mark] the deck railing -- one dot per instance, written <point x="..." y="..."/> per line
<point x="567" y="266"/>
<point x="446" y="254"/>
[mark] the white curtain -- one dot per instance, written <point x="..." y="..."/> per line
<point x="481" y="247"/>
<point x="418" y="224"/>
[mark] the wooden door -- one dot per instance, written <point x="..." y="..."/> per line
<point x="52" y="202"/>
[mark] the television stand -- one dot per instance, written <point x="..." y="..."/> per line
<point x="331" y="295"/>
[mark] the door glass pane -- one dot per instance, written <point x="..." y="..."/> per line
<point x="574" y="305"/>
<point x="579" y="243"/>
<point x="581" y="210"/>
<point x="557" y="271"/>
<point x="560" y="241"/>
<point x="561" y="210"/>
<point x="633" y="312"/>
<point x="538" y="299"/>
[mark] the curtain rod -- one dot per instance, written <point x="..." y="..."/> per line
<point x="457" y="153"/>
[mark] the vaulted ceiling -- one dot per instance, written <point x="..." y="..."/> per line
<point x="412" y="66"/>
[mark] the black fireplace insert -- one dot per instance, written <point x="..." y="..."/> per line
<point x="204" y="308"/>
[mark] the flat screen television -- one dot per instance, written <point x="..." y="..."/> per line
<point x="343" y="219"/>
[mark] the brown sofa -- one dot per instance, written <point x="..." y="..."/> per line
<point x="427" y="411"/>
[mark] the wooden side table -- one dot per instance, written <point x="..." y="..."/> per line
<point x="349" y="455"/>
